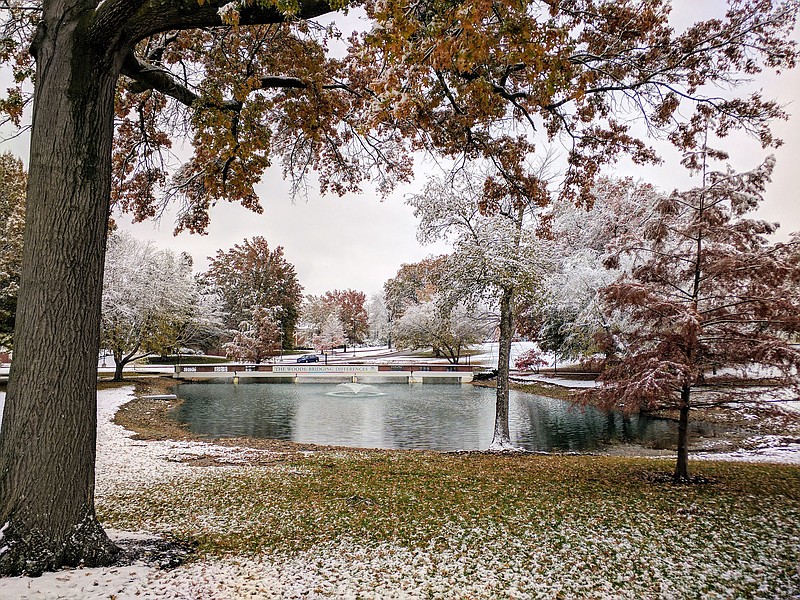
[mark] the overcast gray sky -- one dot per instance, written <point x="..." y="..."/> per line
<point x="359" y="241"/>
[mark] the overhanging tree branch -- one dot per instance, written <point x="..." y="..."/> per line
<point x="146" y="76"/>
<point x="158" y="16"/>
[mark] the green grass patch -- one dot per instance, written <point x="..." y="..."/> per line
<point x="542" y="513"/>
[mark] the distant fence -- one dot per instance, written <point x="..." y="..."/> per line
<point x="310" y="373"/>
<point x="314" y="368"/>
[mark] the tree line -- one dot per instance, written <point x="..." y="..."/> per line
<point x="654" y="291"/>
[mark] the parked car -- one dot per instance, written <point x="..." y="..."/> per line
<point x="308" y="358"/>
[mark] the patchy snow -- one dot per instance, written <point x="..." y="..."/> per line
<point x="343" y="569"/>
<point x="763" y="449"/>
<point x="127" y="464"/>
<point x="560" y="381"/>
<point x="78" y="584"/>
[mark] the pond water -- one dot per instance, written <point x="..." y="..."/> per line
<point x="427" y="416"/>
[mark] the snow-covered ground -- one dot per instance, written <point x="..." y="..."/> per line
<point x="124" y="463"/>
<point x="566" y="381"/>
<point x="340" y="570"/>
<point x="763" y="449"/>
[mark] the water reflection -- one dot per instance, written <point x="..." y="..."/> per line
<point x="435" y="417"/>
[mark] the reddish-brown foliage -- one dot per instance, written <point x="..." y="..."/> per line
<point x="251" y="276"/>
<point x="708" y="291"/>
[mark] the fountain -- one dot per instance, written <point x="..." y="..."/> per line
<point x="355" y="389"/>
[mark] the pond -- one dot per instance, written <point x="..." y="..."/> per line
<point x="394" y="416"/>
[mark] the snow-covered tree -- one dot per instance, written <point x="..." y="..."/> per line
<point x="569" y="314"/>
<point x="205" y="330"/>
<point x="13" y="181"/>
<point x="530" y="360"/>
<point x="495" y="253"/>
<point x="413" y="283"/>
<point x="378" y="315"/>
<point x="257" y="339"/>
<point x="331" y="335"/>
<point x="562" y="336"/>
<point x="707" y="289"/>
<point x="448" y="330"/>
<point x="314" y="312"/>
<point x="150" y="301"/>
<point x="349" y="307"/>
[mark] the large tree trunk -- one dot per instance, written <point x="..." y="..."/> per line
<point x="502" y="437"/>
<point x="682" y="466"/>
<point x="47" y="441"/>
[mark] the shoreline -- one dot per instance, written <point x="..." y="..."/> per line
<point x="148" y="419"/>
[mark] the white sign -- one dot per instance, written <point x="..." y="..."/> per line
<point x="324" y="368"/>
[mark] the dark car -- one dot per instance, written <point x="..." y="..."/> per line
<point x="308" y="358"/>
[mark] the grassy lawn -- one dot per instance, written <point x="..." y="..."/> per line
<point x="523" y="525"/>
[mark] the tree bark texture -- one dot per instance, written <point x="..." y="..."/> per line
<point x="47" y="441"/>
<point x="682" y="466"/>
<point x="502" y="436"/>
<point x="118" y="367"/>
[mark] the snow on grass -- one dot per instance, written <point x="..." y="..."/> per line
<point x="426" y="525"/>
<point x="127" y="464"/>
<point x="79" y="584"/>
<point x="420" y="525"/>
<point x="124" y="465"/>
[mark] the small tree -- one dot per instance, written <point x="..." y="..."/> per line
<point x="257" y="339"/>
<point x="707" y="289"/>
<point x="530" y="360"/>
<point x="331" y="335"/>
<point x="448" y="330"/>
<point x="349" y="307"/>
<point x="563" y="336"/>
